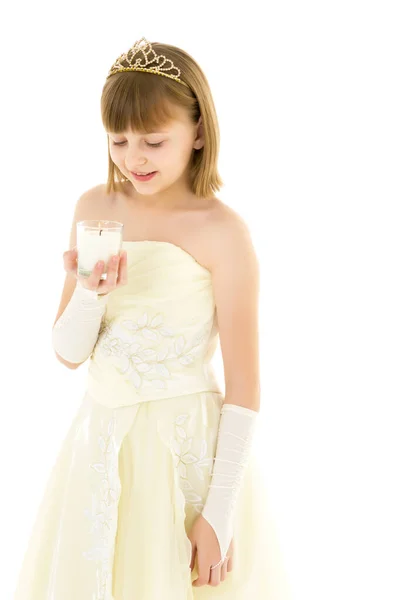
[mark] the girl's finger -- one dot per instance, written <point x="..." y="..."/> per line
<point x="123" y="269"/>
<point x="224" y="569"/>
<point x="112" y="271"/>
<point x="94" y="280"/>
<point x="70" y="261"/>
<point x="192" y="561"/>
<point x="229" y="564"/>
<point x="215" y="576"/>
<point x="230" y="554"/>
<point x="203" y="568"/>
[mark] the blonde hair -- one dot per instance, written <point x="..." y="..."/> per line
<point x="144" y="101"/>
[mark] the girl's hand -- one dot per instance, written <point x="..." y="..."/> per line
<point x="117" y="272"/>
<point x="205" y="545"/>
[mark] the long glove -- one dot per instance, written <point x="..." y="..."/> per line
<point x="235" y="434"/>
<point x="75" y="333"/>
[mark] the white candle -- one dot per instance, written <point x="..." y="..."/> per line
<point x="97" y="240"/>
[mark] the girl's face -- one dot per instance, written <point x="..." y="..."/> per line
<point x="167" y="151"/>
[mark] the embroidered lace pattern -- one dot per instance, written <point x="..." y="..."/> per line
<point x="186" y="458"/>
<point x="103" y="511"/>
<point x="147" y="352"/>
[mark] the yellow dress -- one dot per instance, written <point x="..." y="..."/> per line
<point x="133" y="471"/>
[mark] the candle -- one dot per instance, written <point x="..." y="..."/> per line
<point x="97" y="240"/>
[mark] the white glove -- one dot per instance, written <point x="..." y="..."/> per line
<point x="236" y="429"/>
<point x="75" y="333"/>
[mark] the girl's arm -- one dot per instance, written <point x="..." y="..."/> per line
<point x="75" y="333"/>
<point x="79" y="315"/>
<point x="236" y="289"/>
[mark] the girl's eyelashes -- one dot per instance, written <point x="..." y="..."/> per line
<point x="151" y="145"/>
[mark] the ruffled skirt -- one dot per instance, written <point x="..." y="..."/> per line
<point x="123" y="494"/>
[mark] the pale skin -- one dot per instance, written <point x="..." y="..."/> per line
<point x="217" y="237"/>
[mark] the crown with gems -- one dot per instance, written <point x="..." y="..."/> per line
<point x="142" y="57"/>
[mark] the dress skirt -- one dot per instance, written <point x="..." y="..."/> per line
<point x="123" y="494"/>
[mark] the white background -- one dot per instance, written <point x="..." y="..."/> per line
<point x="307" y="96"/>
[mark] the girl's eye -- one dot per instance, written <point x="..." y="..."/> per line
<point x="151" y="145"/>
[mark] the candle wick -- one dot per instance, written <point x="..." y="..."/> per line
<point x="100" y="231"/>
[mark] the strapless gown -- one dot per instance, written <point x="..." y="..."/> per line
<point x="132" y="474"/>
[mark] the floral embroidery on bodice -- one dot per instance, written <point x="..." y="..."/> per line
<point x="159" y="332"/>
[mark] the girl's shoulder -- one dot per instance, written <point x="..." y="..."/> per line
<point x="226" y="220"/>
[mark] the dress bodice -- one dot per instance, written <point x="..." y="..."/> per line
<point x="159" y="332"/>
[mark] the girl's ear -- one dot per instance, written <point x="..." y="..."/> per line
<point x="199" y="140"/>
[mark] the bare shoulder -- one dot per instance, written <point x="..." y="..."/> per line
<point x="89" y="198"/>
<point x="95" y="195"/>
<point x="91" y="203"/>
<point x="224" y="219"/>
<point x="230" y="239"/>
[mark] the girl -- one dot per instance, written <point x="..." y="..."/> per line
<point x="155" y="494"/>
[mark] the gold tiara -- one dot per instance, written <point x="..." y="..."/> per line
<point x="148" y="62"/>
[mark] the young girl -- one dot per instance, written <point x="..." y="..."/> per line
<point x="155" y="494"/>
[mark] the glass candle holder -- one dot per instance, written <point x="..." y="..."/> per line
<point x="97" y="240"/>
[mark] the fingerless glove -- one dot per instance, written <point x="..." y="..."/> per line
<point x="235" y="433"/>
<point x="75" y="333"/>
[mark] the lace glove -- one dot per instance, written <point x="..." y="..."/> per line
<point x="75" y="333"/>
<point x="236" y="429"/>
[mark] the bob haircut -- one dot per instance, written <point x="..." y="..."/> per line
<point x="139" y="101"/>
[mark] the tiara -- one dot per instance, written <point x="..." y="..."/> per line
<point x="148" y="62"/>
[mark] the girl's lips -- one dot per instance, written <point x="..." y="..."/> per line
<point x="147" y="177"/>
